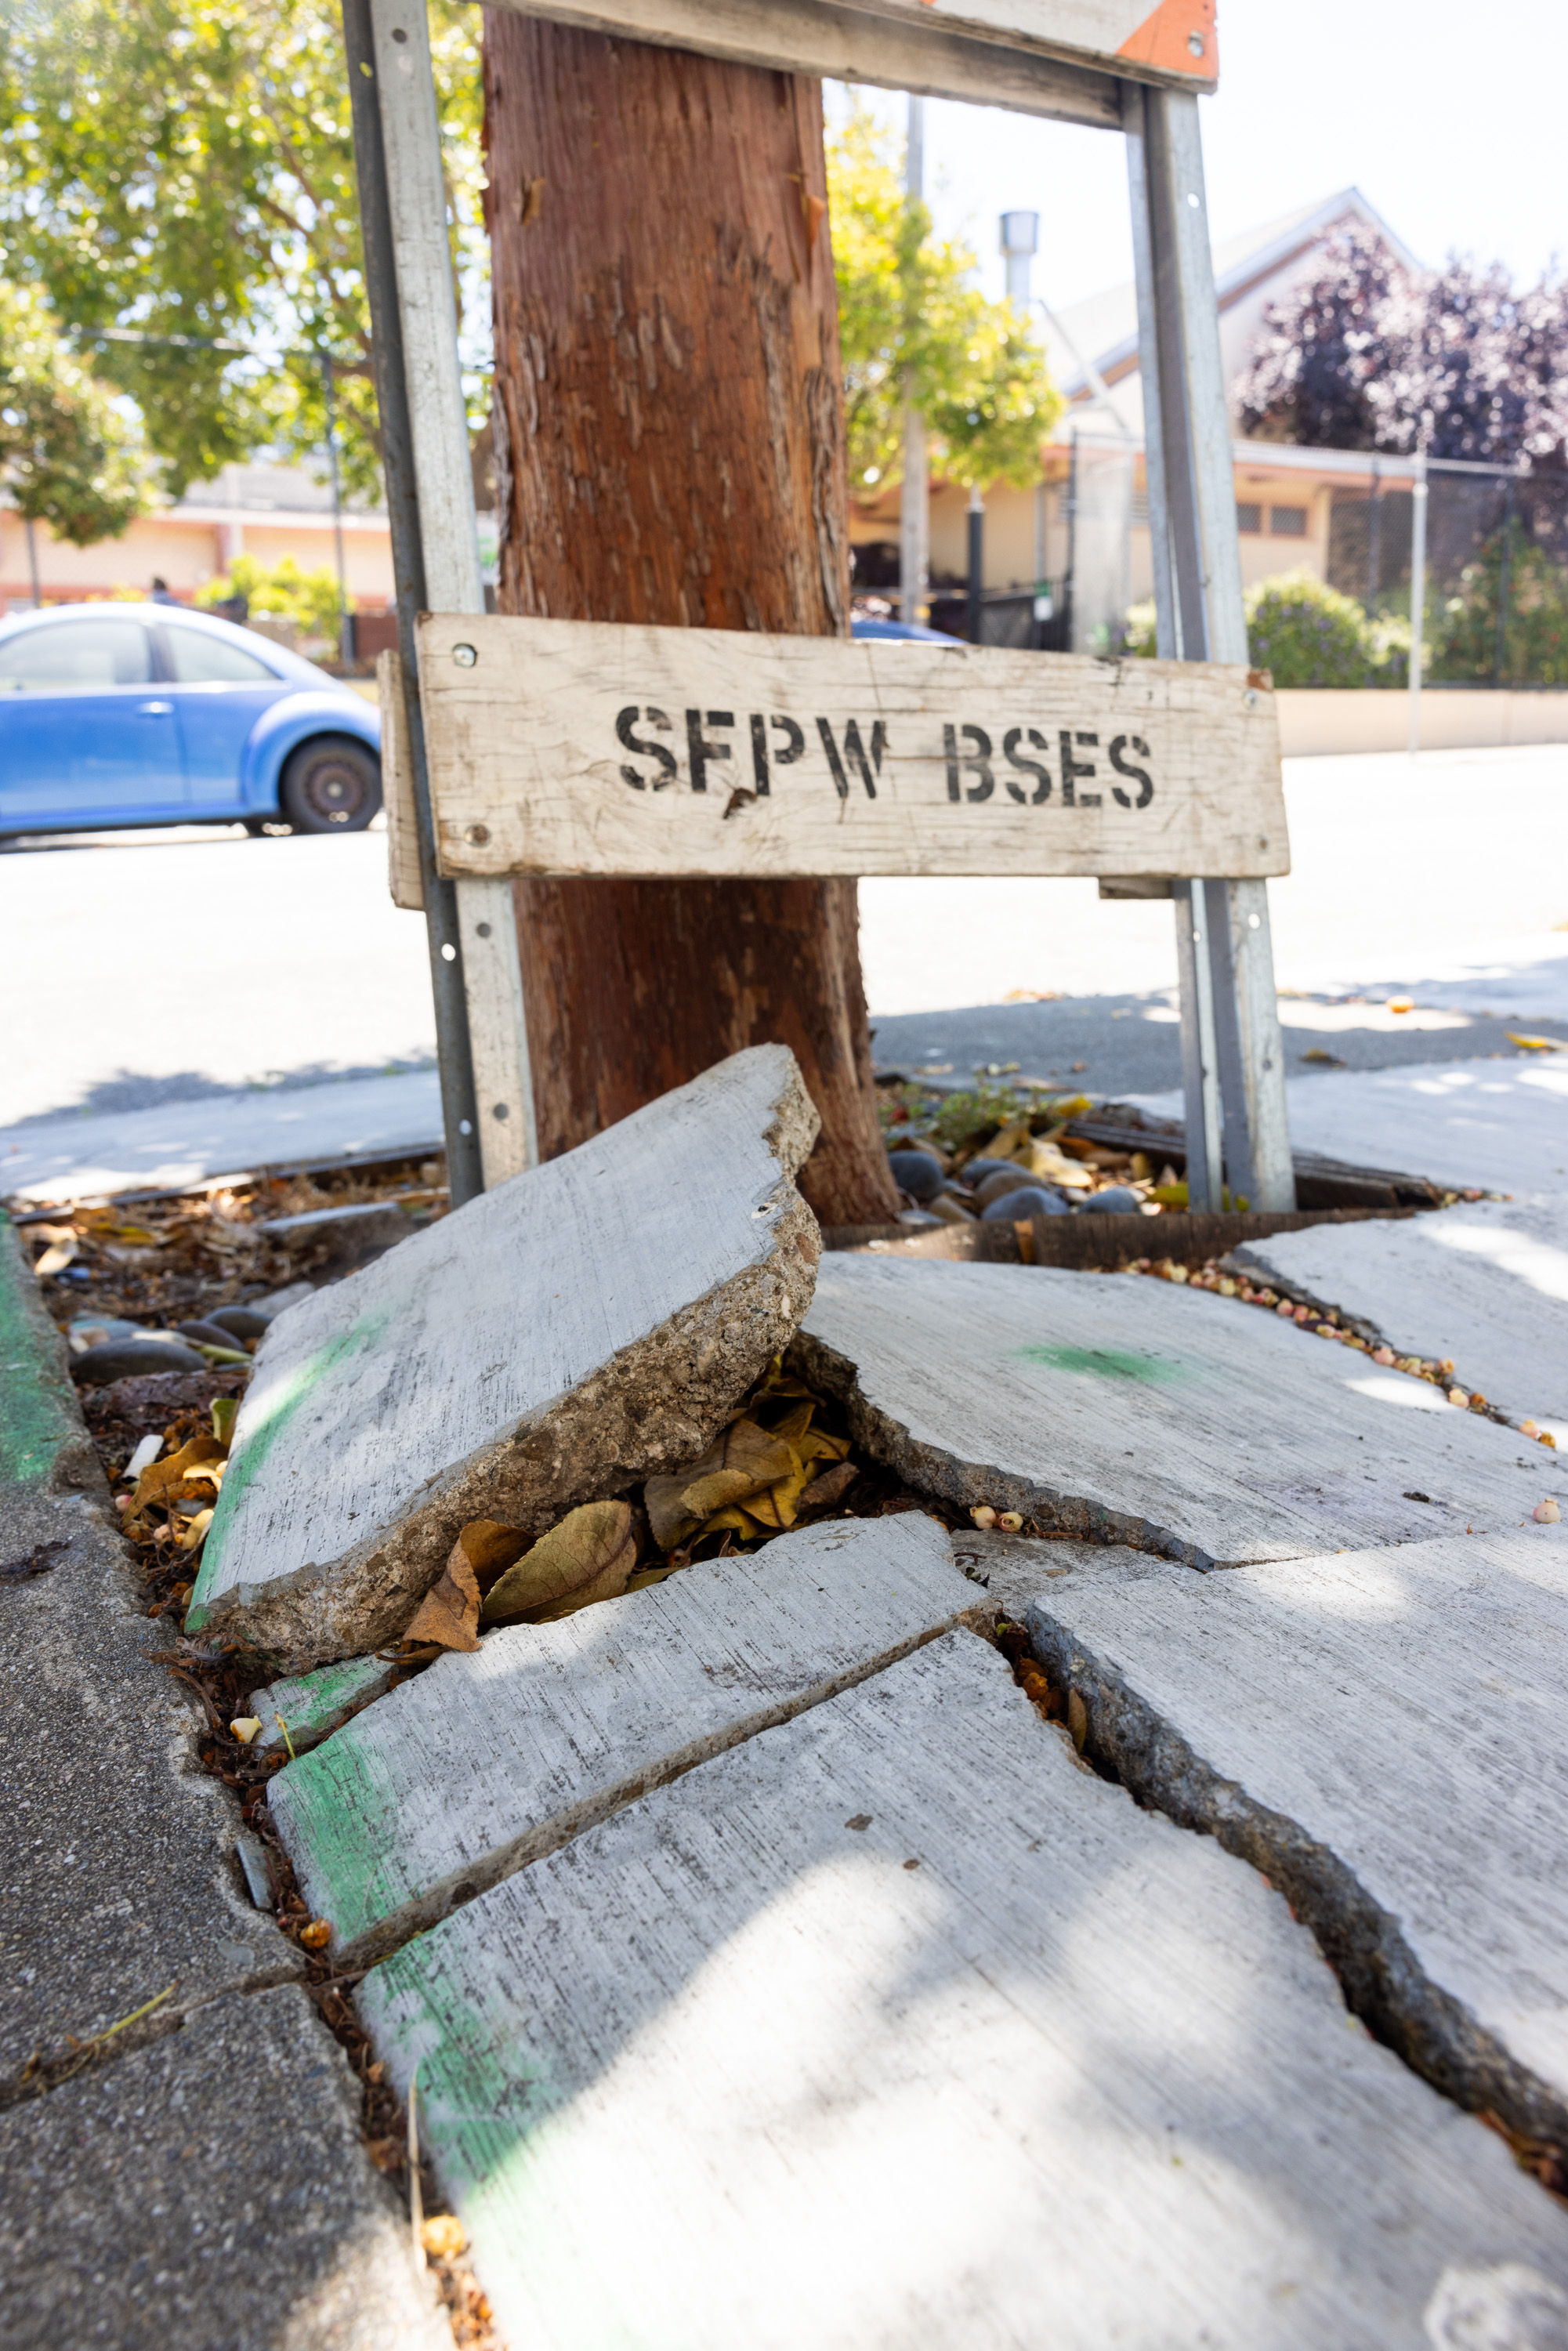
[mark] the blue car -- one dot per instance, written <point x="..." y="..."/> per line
<point x="900" y="633"/>
<point x="147" y="714"/>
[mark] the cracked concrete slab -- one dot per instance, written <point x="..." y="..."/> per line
<point x="209" y="2193"/>
<point x="557" y="1338"/>
<point x="490" y="1760"/>
<point x="1382" y="1734"/>
<point x="1484" y="1284"/>
<point x="1126" y="1410"/>
<point x="119" y="1883"/>
<point x="902" y="1984"/>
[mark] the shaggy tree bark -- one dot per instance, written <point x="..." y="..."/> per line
<point x="669" y="449"/>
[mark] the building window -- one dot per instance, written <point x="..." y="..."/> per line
<point x="1248" y="514"/>
<point x="1287" y="522"/>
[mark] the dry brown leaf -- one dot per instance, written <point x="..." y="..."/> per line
<point x="490" y="1548"/>
<point x="159" y="1479"/>
<point x="775" y="1509"/>
<point x="734" y="1521"/>
<point x="792" y="1428"/>
<point x="827" y="1489"/>
<point x="1077" y="1718"/>
<point x="588" y="1556"/>
<point x="449" y="1613"/>
<point x="745" y="1459"/>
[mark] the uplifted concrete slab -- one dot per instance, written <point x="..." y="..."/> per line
<point x="896" y="2026"/>
<point x="1485" y="1284"/>
<point x="1382" y="1734"/>
<point x="1134" y="1411"/>
<point x="488" y="1760"/>
<point x="560" y="1336"/>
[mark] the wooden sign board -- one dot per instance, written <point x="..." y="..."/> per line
<point x="1059" y="57"/>
<point x="587" y="747"/>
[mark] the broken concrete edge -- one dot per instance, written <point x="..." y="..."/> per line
<point x="43" y="1442"/>
<point x="1382" y="1981"/>
<point x="1243" y="1266"/>
<point x="420" y="1912"/>
<point x="591" y="1443"/>
<point x="967" y="1486"/>
<point x="327" y="1612"/>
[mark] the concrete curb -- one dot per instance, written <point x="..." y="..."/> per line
<point x="200" y="2184"/>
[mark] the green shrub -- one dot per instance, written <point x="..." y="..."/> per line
<point x="1307" y="633"/>
<point x="1138" y="637"/>
<point x="309" y="599"/>
<point x="1535" y="636"/>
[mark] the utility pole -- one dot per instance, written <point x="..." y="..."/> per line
<point x="914" y="498"/>
<point x="668" y="417"/>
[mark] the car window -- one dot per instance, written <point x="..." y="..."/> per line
<point x="79" y="653"/>
<point x="196" y="659"/>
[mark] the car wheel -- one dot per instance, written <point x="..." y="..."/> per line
<point x="332" y="784"/>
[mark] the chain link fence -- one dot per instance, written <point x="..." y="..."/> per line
<point x="1496" y="606"/>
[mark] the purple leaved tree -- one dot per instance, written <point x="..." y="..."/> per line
<point x="1364" y="354"/>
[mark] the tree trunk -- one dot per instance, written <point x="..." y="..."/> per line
<point x="669" y="449"/>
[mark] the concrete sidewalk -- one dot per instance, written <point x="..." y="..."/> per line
<point x="200" y="2184"/>
<point x="224" y="1134"/>
<point x="1499" y="1125"/>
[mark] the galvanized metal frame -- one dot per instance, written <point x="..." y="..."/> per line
<point x="1233" y="1064"/>
<point x="1232" y="1056"/>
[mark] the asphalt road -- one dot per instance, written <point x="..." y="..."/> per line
<point x="148" y="969"/>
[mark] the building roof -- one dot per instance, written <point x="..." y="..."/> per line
<point x="1103" y="330"/>
<point x="239" y="490"/>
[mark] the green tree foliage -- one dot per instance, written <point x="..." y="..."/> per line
<point x="68" y="455"/>
<point x="914" y="329"/>
<point x="1535" y="634"/>
<point x="309" y="599"/>
<point x="185" y="168"/>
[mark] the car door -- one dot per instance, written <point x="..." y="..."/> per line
<point x="86" y="736"/>
<point x="219" y="689"/>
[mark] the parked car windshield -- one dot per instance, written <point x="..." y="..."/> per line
<point x="81" y="653"/>
<point x="197" y="659"/>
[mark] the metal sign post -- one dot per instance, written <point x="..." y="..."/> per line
<point x="1232" y="1053"/>
<point x="482" y="1038"/>
<point x="1118" y="64"/>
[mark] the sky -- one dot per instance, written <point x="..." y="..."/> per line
<point x="1448" y="118"/>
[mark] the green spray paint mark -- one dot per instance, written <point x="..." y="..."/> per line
<point x="1106" y="1364"/>
<point x="488" y="2101"/>
<point x="343" y="1812"/>
<point x="266" y="1430"/>
<point x="314" y="1705"/>
<point x="38" y="1413"/>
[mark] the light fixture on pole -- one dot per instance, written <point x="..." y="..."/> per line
<point x="1021" y="243"/>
